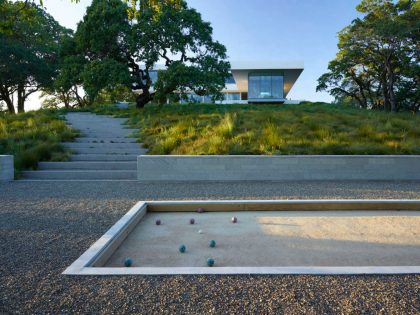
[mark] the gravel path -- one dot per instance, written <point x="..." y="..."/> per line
<point x="45" y="226"/>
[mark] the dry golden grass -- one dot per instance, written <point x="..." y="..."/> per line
<point x="273" y="129"/>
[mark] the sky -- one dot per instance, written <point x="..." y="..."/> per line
<point x="253" y="30"/>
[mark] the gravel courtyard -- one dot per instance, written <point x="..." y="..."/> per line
<point x="45" y="226"/>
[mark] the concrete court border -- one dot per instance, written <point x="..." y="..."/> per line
<point x="90" y="261"/>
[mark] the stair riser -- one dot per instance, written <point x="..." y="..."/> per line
<point x="103" y="157"/>
<point x="104" y="129"/>
<point x="110" y="146"/>
<point x="106" y="135"/>
<point x="132" y="166"/>
<point x="105" y="140"/>
<point x="107" y="151"/>
<point x="80" y="175"/>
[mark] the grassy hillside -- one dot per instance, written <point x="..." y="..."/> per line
<point x="310" y="128"/>
<point x="33" y="137"/>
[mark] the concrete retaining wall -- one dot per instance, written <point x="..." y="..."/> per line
<point x="7" y="171"/>
<point x="277" y="168"/>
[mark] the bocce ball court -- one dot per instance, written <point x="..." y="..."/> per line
<point x="259" y="237"/>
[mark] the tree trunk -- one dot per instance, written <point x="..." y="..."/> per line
<point x="390" y="81"/>
<point x="392" y="98"/>
<point x="144" y="98"/>
<point x="10" y="106"/>
<point x="363" y="100"/>
<point x="5" y="96"/>
<point x="21" y="99"/>
<point x="387" y="105"/>
<point x="80" y="100"/>
<point x="66" y="99"/>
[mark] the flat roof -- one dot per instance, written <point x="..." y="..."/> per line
<point x="255" y="65"/>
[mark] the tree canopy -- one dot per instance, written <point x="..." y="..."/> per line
<point x="377" y="65"/>
<point x="119" y="50"/>
<point x="29" y="45"/>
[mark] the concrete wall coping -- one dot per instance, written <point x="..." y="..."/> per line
<point x="283" y="156"/>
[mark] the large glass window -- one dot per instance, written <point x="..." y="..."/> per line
<point x="230" y="79"/>
<point x="265" y="86"/>
<point x="153" y="76"/>
<point x="194" y="98"/>
<point x="232" y="96"/>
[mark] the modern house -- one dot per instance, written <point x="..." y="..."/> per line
<point x="261" y="82"/>
<point x="255" y="82"/>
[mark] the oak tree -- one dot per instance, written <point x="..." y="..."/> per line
<point x="378" y="60"/>
<point x="120" y="50"/>
<point x="29" y="44"/>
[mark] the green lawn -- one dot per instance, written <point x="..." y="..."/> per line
<point x="33" y="137"/>
<point x="310" y="128"/>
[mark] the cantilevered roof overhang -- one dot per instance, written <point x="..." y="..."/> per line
<point x="240" y="71"/>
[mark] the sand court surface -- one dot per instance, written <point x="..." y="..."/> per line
<point x="274" y="239"/>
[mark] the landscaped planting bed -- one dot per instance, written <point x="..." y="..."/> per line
<point x="308" y="128"/>
<point x="34" y="136"/>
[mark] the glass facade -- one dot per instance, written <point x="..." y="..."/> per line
<point x="153" y="76"/>
<point x="194" y="98"/>
<point x="230" y="79"/>
<point x="232" y="96"/>
<point x="265" y="86"/>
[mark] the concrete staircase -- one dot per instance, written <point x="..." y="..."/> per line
<point x="104" y="151"/>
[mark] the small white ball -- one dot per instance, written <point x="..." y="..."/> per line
<point x="200" y="231"/>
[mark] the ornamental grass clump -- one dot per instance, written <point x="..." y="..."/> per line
<point x="34" y="136"/>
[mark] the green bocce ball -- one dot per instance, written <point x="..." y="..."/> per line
<point x="128" y="262"/>
<point x="210" y="262"/>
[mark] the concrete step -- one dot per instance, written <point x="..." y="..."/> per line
<point x="79" y="175"/>
<point x="106" y="135"/>
<point x="88" y="165"/>
<point x="105" y="140"/>
<point x="111" y="151"/>
<point x="104" y="157"/>
<point x="99" y="122"/>
<point x="94" y="127"/>
<point x="110" y="146"/>
<point x="107" y="129"/>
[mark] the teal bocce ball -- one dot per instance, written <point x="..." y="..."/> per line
<point x="212" y="243"/>
<point x="182" y="249"/>
<point x="210" y="262"/>
<point x="128" y="262"/>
